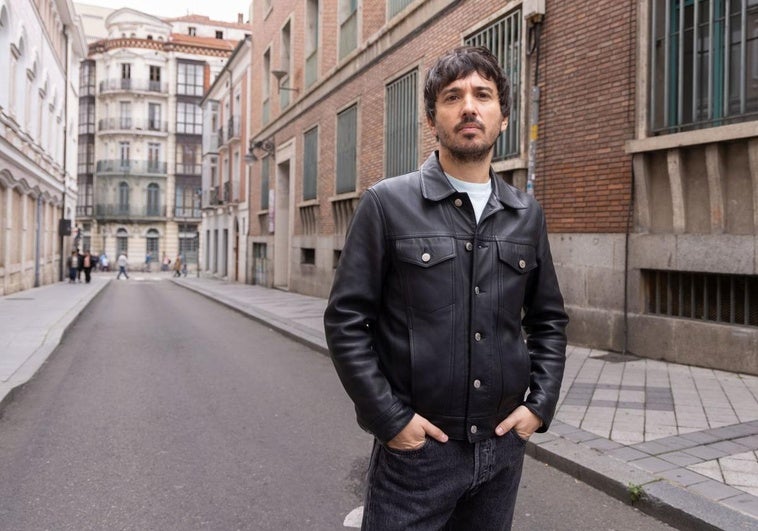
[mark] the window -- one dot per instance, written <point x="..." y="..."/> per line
<point x="85" y="196"/>
<point x="122" y="242"/>
<point x="401" y="126"/>
<point x="307" y="256"/>
<point x="219" y="34"/>
<point x="189" y="118"/>
<point x="503" y="38"/>
<point x="152" y="244"/>
<point x="704" y="64"/>
<point x="310" y="164"/>
<point x="192" y="31"/>
<point x="348" y="19"/>
<point x="153" y="200"/>
<point x="123" y="198"/>
<point x="186" y="199"/>
<point x="126" y="76"/>
<point x="188" y="240"/>
<point x="265" y="171"/>
<point x="154" y="117"/>
<point x="311" y="42"/>
<point x="86" y="157"/>
<point x="124" y="154"/>
<point x="155" y="79"/>
<point x="86" y="116"/>
<point x="347" y="130"/>
<point x="125" y="117"/>
<point x="189" y="79"/>
<point x="396" y="6"/>
<point x="153" y="157"/>
<point x="87" y="78"/>
<point x="284" y="61"/>
<point x="266" y="110"/>
<point x="188" y="158"/>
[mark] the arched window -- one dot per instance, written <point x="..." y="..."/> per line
<point x="152" y="245"/>
<point x="123" y="198"/>
<point x="122" y="242"/>
<point x="153" y="200"/>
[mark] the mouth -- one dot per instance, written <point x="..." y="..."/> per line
<point x="469" y="128"/>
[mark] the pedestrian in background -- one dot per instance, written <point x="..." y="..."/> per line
<point x="148" y="261"/>
<point x="178" y="265"/>
<point x="165" y="263"/>
<point x="80" y="265"/>
<point x="87" y="263"/>
<point x="122" y="263"/>
<point x="440" y="270"/>
<point x="72" y="262"/>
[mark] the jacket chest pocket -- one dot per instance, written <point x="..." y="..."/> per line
<point x="427" y="266"/>
<point x="516" y="261"/>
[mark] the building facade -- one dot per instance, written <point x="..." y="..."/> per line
<point x="223" y="233"/>
<point x="140" y="133"/>
<point x="635" y="130"/>
<point x="41" y="44"/>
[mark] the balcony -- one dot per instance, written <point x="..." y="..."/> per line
<point x="131" y="167"/>
<point x="133" y="85"/>
<point x="84" y="211"/>
<point x="233" y="128"/>
<point x="189" y="169"/>
<point x="107" y="125"/>
<point x="109" y="211"/>
<point x="187" y="212"/>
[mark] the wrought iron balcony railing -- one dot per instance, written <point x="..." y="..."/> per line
<point x="131" y="167"/>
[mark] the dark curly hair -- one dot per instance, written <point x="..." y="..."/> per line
<point x="458" y="64"/>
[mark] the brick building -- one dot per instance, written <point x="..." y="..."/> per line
<point x="644" y="156"/>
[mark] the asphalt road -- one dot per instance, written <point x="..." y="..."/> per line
<point x="164" y="410"/>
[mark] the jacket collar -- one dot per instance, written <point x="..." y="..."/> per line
<point x="436" y="187"/>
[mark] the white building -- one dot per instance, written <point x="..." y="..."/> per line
<point x="140" y="131"/>
<point x="41" y="45"/>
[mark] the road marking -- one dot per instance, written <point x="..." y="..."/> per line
<point x="354" y="518"/>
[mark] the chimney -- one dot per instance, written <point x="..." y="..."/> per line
<point x="240" y="18"/>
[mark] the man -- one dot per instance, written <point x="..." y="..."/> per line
<point x="440" y="271"/>
<point x="122" y="262"/>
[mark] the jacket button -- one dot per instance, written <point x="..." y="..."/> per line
<point x="426" y="257"/>
<point x="469" y="246"/>
<point x="476" y="290"/>
<point x="458" y="202"/>
<point x="478" y="336"/>
<point x="477" y="384"/>
<point x="474" y="429"/>
<point x="522" y="264"/>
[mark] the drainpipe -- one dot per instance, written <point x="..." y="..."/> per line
<point x="535" y="29"/>
<point x="65" y="137"/>
<point x="37" y="241"/>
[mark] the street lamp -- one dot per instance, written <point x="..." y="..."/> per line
<point x="263" y="145"/>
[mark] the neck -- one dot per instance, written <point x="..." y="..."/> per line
<point x="469" y="171"/>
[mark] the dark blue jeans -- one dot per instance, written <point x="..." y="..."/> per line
<point x="455" y="485"/>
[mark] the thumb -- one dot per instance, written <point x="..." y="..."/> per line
<point x="435" y="433"/>
<point x="505" y="426"/>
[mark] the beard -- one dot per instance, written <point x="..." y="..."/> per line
<point x="467" y="152"/>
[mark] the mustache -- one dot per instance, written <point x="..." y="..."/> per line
<point x="467" y="122"/>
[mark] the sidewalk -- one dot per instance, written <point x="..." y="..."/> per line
<point x="688" y="437"/>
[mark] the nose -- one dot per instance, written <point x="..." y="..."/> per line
<point x="469" y="105"/>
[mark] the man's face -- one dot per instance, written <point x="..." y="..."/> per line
<point x="468" y="118"/>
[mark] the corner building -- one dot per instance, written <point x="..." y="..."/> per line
<point x="140" y="133"/>
<point x="642" y="152"/>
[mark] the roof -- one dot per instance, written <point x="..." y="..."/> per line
<point x="202" y="19"/>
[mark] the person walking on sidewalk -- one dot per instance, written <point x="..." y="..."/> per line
<point x="72" y="262"/>
<point x="178" y="265"/>
<point x="87" y="263"/>
<point x="440" y="270"/>
<point x="122" y="263"/>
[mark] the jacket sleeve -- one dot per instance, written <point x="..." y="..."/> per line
<point x="544" y="322"/>
<point x="354" y="304"/>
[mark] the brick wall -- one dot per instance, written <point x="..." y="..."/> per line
<point x="587" y="70"/>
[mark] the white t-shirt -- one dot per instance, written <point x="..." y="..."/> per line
<point x="478" y="193"/>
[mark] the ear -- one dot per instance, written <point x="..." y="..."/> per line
<point x="432" y="126"/>
<point x="504" y="124"/>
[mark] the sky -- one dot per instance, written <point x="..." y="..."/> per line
<point x="224" y="10"/>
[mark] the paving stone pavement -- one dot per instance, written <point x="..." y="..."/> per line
<point x="686" y="436"/>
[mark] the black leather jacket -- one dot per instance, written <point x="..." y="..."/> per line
<point x="427" y="308"/>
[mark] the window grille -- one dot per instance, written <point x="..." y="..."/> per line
<point x="730" y="299"/>
<point x="347" y="132"/>
<point x="401" y="129"/>
<point x="310" y="164"/>
<point x="396" y="6"/>
<point x="703" y="63"/>
<point x="503" y="39"/>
